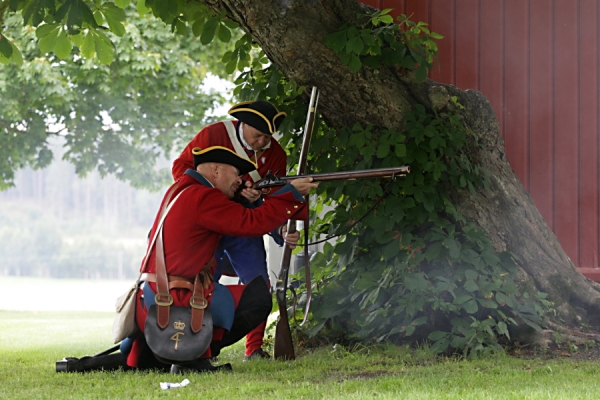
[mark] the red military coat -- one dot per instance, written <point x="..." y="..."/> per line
<point x="272" y="159"/>
<point x="203" y="214"/>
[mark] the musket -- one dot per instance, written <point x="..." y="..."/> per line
<point x="284" y="344"/>
<point x="271" y="180"/>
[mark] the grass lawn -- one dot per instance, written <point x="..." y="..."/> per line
<point x="31" y="343"/>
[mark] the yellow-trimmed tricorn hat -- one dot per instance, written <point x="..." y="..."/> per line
<point x="223" y="155"/>
<point x="261" y="115"/>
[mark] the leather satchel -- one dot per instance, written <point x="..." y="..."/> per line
<point x="177" y="343"/>
<point x="124" y="324"/>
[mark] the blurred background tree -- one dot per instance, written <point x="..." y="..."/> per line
<point x="117" y="118"/>
<point x="85" y="147"/>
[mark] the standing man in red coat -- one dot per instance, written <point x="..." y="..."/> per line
<point x="201" y="214"/>
<point x="251" y="138"/>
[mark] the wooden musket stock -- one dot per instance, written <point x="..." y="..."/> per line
<point x="284" y="344"/>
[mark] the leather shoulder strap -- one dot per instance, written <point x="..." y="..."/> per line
<point x="166" y="207"/>
<point x="238" y="148"/>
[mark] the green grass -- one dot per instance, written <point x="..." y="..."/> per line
<point x="31" y="343"/>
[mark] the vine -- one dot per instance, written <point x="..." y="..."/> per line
<point x="415" y="265"/>
<point x="380" y="41"/>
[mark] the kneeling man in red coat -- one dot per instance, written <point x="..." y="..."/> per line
<point x="200" y="212"/>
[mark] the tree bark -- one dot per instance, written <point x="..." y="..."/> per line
<point x="292" y="33"/>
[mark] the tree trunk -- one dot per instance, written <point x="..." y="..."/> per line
<point x="292" y="33"/>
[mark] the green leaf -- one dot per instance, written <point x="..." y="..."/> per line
<point x="440" y="345"/>
<point x="77" y="39"/>
<point x="437" y="335"/>
<point x="5" y="48"/>
<point x="471" y="306"/>
<point x="62" y="46"/>
<point x="490" y="257"/>
<point x="230" y="24"/>
<point x="209" y="30"/>
<point x="470" y="285"/>
<point x="44" y="30"/>
<point x="461" y="299"/>
<point x="391" y="250"/>
<point x="98" y="17"/>
<point x="503" y="329"/>
<point x="354" y="63"/>
<point x="4" y="60"/>
<point x="104" y="49"/>
<point x="88" y="48"/>
<point x="400" y="150"/>
<point x="453" y="247"/>
<point x="16" y="57"/>
<point x="532" y="324"/>
<point x="488" y="303"/>
<point x="355" y="45"/>
<point x="122" y="3"/>
<point x="224" y="34"/>
<point x="371" y="61"/>
<point x="408" y="62"/>
<point x="76" y="12"/>
<point x="141" y="7"/>
<point x="421" y="73"/>
<point x="416" y="282"/>
<point x="471" y="274"/>
<point x="46" y="44"/>
<point x="409" y="202"/>
<point x="336" y="41"/>
<point x="509" y="288"/>
<point x="198" y="27"/>
<point x="383" y="150"/>
<point x="114" y="16"/>
<point x="230" y="66"/>
<point x="228" y="56"/>
<point x="180" y="26"/>
<point x="387" y="19"/>
<point x="369" y="40"/>
<point x="502" y="299"/>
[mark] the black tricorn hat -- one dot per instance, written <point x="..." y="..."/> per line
<point x="261" y="115"/>
<point x="223" y="155"/>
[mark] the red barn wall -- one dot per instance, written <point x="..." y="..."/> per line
<point x="537" y="61"/>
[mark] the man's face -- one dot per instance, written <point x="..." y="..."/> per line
<point x="256" y="139"/>
<point x="227" y="179"/>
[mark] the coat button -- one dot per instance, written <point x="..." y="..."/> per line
<point x="296" y="206"/>
<point x="289" y="212"/>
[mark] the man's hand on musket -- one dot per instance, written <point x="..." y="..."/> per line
<point x="251" y="194"/>
<point x="290" y="239"/>
<point x="304" y="185"/>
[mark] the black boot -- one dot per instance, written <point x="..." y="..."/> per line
<point x="198" y="366"/>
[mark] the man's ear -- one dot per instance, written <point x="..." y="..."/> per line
<point x="214" y="169"/>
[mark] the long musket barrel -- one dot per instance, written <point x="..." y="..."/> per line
<point x="272" y="181"/>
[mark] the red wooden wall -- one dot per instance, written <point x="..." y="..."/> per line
<point x="537" y="61"/>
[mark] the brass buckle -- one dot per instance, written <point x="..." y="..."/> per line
<point x="203" y="301"/>
<point x="163" y="303"/>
